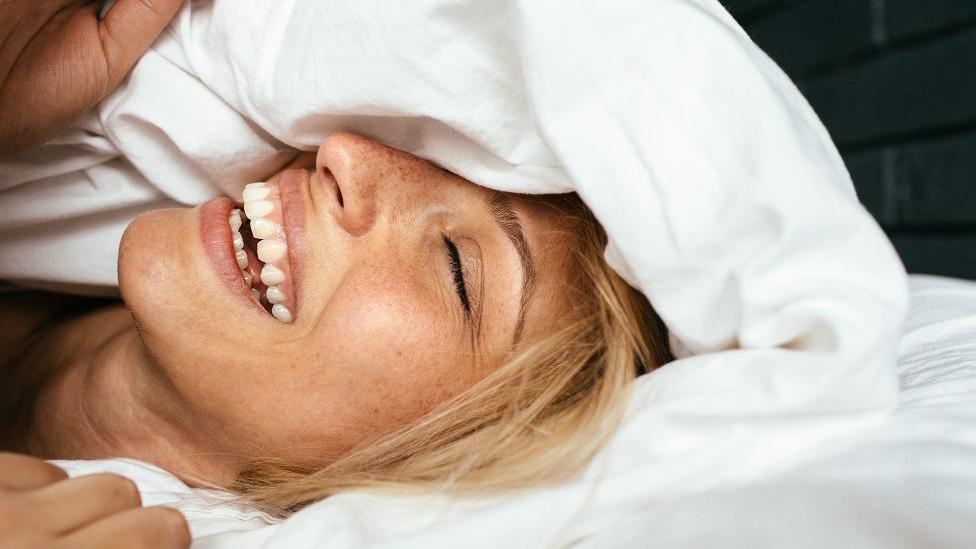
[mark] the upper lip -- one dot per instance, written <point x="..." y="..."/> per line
<point x="291" y="185"/>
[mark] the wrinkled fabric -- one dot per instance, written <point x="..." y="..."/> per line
<point x="906" y="481"/>
<point x="723" y="197"/>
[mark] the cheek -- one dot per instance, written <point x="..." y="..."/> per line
<point x="386" y="358"/>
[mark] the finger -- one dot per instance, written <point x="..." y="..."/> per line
<point x="129" y="28"/>
<point x="73" y="503"/>
<point x="135" y="528"/>
<point x="19" y="472"/>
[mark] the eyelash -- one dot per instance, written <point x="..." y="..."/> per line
<point x="458" y="274"/>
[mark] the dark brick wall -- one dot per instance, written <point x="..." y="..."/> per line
<point x="895" y="83"/>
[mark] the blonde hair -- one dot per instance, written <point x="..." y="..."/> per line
<point x="538" y="419"/>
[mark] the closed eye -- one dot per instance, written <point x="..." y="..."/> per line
<point x="458" y="274"/>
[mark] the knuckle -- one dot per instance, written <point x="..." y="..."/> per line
<point x="50" y="473"/>
<point x="18" y="466"/>
<point x="122" y="488"/>
<point x="171" y="526"/>
<point x="152" y="7"/>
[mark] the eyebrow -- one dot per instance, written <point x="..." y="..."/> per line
<point x="501" y="211"/>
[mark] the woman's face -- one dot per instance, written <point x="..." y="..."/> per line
<point x="404" y="283"/>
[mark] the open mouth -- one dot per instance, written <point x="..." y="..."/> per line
<point x="261" y="250"/>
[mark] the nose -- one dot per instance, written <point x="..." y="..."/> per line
<point x="359" y="167"/>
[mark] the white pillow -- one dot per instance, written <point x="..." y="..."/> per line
<point x="909" y="482"/>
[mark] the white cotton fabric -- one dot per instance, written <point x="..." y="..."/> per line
<point x="906" y="482"/>
<point x="723" y="197"/>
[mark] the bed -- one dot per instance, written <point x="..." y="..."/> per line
<point x="906" y="480"/>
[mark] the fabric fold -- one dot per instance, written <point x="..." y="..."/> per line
<point x="723" y="197"/>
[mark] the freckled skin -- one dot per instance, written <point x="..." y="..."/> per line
<point x="380" y="337"/>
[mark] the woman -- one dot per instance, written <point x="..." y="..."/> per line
<point x="411" y="329"/>
<point x="398" y="303"/>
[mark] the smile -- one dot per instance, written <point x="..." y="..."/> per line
<point x="261" y="250"/>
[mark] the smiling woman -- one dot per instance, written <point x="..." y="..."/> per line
<point x="363" y="319"/>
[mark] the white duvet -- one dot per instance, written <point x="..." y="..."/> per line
<point x="724" y="199"/>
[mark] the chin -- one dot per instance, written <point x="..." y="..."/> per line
<point x="154" y="265"/>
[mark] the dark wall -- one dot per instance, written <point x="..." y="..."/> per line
<point x="894" y="81"/>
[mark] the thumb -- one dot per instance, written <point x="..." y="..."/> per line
<point x="129" y="28"/>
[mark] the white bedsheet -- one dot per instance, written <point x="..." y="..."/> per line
<point x="906" y="482"/>
<point x="723" y="197"/>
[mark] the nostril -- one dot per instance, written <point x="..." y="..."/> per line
<point x="327" y="176"/>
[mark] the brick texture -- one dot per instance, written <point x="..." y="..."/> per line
<point x="895" y="83"/>
<point x="916" y="89"/>
<point x="800" y="41"/>
<point x="907" y="18"/>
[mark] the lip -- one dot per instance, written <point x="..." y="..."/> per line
<point x="292" y="187"/>
<point x="217" y="242"/>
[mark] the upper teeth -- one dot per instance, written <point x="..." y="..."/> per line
<point x="258" y="204"/>
<point x="281" y="313"/>
<point x="258" y="208"/>
<point x="270" y="250"/>
<point x="262" y="228"/>
<point x="271" y="275"/>
<point x="275" y="295"/>
<point x="255" y="193"/>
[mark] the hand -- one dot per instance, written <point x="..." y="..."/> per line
<point x="41" y="507"/>
<point x="57" y="60"/>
